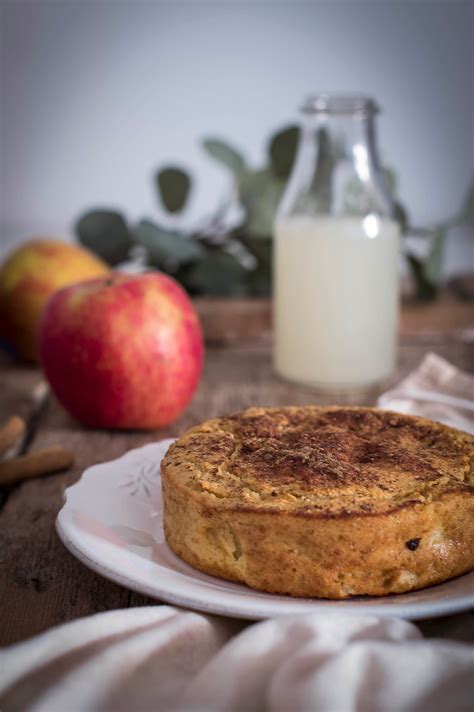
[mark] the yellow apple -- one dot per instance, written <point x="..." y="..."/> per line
<point x="28" y="277"/>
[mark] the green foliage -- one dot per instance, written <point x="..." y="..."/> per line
<point x="260" y="247"/>
<point x="203" y="269"/>
<point x="225" y="154"/>
<point x="167" y="250"/>
<point x="400" y="212"/>
<point x="432" y="264"/>
<point x="260" y="193"/>
<point x="401" y="216"/>
<point x="106" y="233"/>
<point x="390" y="180"/>
<point x="466" y="215"/>
<point x="282" y="151"/>
<point x="203" y="261"/>
<point x="217" y="274"/>
<point x="426" y="272"/>
<point x="322" y="183"/>
<point x="260" y="279"/>
<point x="174" y="186"/>
<point x="425" y="290"/>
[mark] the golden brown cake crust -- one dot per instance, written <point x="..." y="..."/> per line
<point x="328" y="502"/>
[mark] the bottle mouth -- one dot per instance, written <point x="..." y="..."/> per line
<point x="348" y="105"/>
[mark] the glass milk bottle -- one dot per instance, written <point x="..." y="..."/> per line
<point x="336" y="254"/>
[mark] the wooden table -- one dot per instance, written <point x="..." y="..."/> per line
<point x="41" y="584"/>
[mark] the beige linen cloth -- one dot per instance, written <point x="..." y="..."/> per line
<point x="165" y="658"/>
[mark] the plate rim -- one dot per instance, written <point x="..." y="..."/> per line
<point x="250" y="609"/>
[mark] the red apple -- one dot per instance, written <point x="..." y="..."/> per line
<point x="124" y="351"/>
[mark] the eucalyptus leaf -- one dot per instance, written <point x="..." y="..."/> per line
<point x="260" y="247"/>
<point x="282" y="151"/>
<point x="467" y="210"/>
<point x="426" y="270"/>
<point x="168" y="250"/>
<point x="401" y="216"/>
<point x="217" y="274"/>
<point x="260" y="280"/>
<point x="174" y="186"/>
<point x="400" y="212"/>
<point x="322" y="183"/>
<point x="225" y="154"/>
<point x="433" y="264"/>
<point x="425" y="290"/>
<point x="105" y="232"/>
<point x="260" y="193"/>
<point x="391" y="180"/>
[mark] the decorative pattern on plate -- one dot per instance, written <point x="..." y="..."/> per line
<point x="142" y="479"/>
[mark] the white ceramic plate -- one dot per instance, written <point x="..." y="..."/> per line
<point x="112" y="522"/>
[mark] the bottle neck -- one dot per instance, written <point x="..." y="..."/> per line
<point x="345" y="139"/>
<point x="337" y="169"/>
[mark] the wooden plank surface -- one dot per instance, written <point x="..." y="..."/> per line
<point x="251" y="319"/>
<point x="41" y="584"/>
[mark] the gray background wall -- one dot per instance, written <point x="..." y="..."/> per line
<point x="95" y="95"/>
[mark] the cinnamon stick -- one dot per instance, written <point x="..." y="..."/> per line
<point x="13" y="429"/>
<point x="35" y="464"/>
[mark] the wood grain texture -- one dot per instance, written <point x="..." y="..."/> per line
<point x="41" y="584"/>
<point x="250" y="320"/>
<point x="18" y="388"/>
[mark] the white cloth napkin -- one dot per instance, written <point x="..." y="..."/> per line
<point x="164" y="658"/>
<point x="436" y="390"/>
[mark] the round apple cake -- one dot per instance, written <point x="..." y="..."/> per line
<point x="327" y="502"/>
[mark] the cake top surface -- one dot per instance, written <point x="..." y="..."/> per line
<point x="328" y="461"/>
